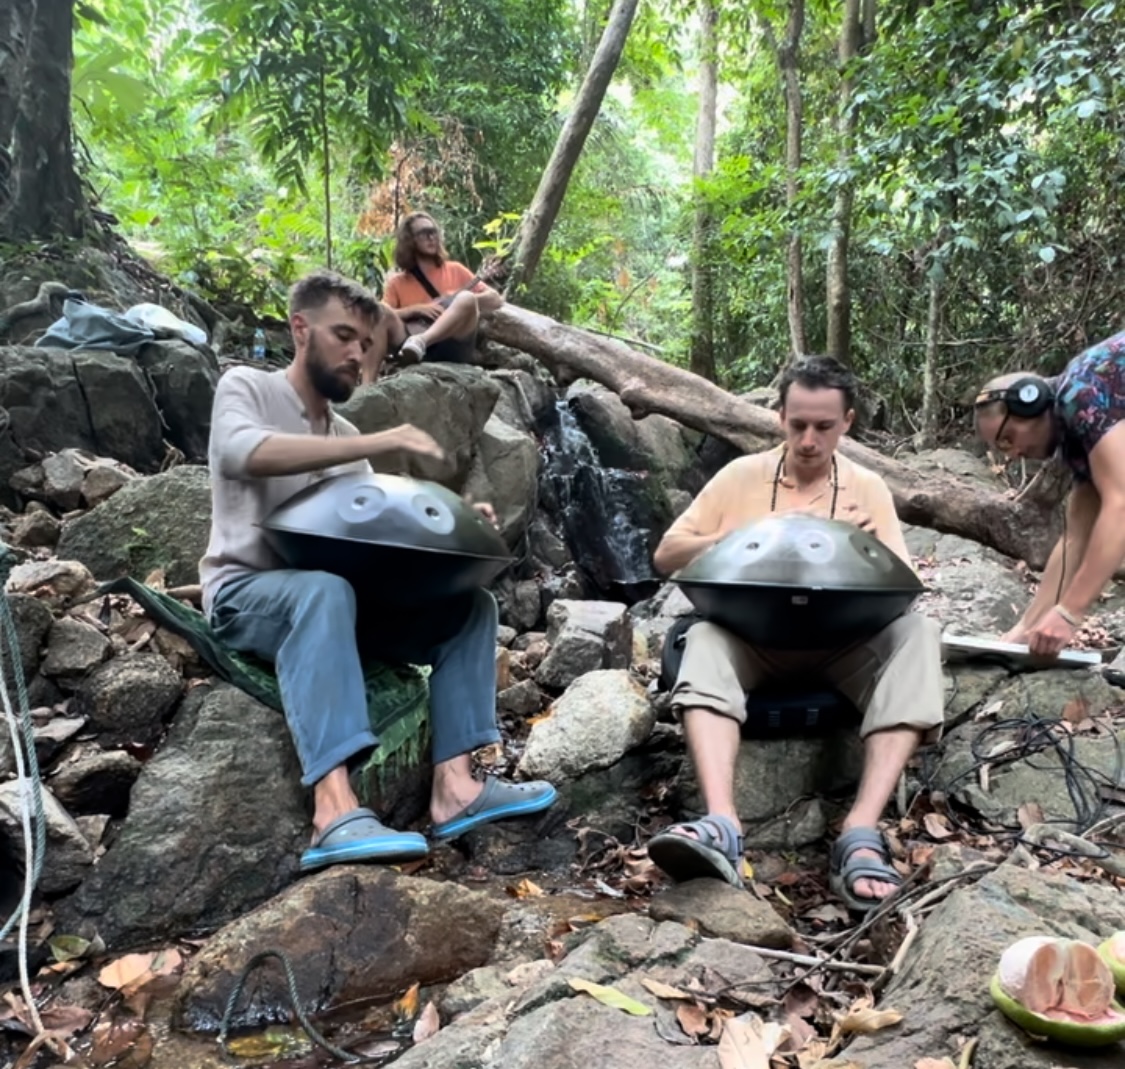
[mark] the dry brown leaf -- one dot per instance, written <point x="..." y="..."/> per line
<point x="865" y="1019"/>
<point x="525" y="889"/>
<point x="693" y="1019"/>
<point x="64" y="1019"/>
<point x="740" y="1047"/>
<point x="124" y="1043"/>
<point x="660" y="990"/>
<point x="428" y="1023"/>
<point x="406" y="1008"/>
<point x="937" y="826"/>
<point x="1029" y="813"/>
<point x="1076" y="710"/>
<point x="133" y="970"/>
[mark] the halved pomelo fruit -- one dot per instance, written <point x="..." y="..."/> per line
<point x="1113" y="954"/>
<point x="1059" y="988"/>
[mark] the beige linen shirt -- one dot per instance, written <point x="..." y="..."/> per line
<point x="249" y="406"/>
<point x="742" y="492"/>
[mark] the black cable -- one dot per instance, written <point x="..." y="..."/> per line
<point x="835" y="478"/>
<point x="1038" y="735"/>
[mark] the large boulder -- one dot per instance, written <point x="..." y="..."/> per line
<point x="584" y="636"/>
<point x="942" y="987"/>
<point x="602" y="716"/>
<point x="159" y="522"/>
<point x="350" y="932"/>
<point x="654" y="443"/>
<point x="184" y="379"/>
<point x="449" y="401"/>
<point x="95" y="401"/>
<point x="216" y="825"/>
<point x="505" y="473"/>
<point x="127" y="699"/>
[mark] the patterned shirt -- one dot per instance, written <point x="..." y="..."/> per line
<point x="1089" y="400"/>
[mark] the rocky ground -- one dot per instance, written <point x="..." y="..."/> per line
<point x="175" y="818"/>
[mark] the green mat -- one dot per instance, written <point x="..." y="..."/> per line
<point x="397" y="694"/>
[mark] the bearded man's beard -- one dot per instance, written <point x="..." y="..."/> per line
<point x="334" y="386"/>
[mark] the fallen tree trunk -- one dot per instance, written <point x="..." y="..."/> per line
<point x="1019" y="527"/>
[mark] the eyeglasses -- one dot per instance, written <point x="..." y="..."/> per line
<point x="426" y="232"/>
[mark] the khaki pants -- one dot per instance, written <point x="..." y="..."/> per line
<point x="894" y="678"/>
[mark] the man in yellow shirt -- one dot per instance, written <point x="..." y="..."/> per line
<point x="894" y="677"/>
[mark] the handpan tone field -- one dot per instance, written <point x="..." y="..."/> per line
<point x="396" y="540"/>
<point x="800" y="582"/>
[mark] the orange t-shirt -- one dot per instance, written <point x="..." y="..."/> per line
<point x="403" y="289"/>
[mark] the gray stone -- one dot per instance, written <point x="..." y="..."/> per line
<point x="654" y="616"/>
<point x="772" y="774"/>
<point x="521" y="603"/>
<point x="159" y="522"/>
<point x="525" y="399"/>
<point x="103" y="480"/>
<point x="599" y="718"/>
<point x="68" y="855"/>
<point x="52" y="737"/>
<point x="184" y="379"/>
<point x="504" y="472"/>
<point x="32" y="620"/>
<point x="801" y="824"/>
<point x="717" y="909"/>
<point x="127" y="699"/>
<point x="202" y="843"/>
<point x="95" y="401"/>
<point x="93" y="780"/>
<point x="56" y="583"/>
<point x="348" y="932"/>
<point x="584" y="636"/>
<point x="546" y="546"/>
<point x="74" y="648"/>
<point x="968" y="688"/>
<point x="469" y="991"/>
<point x="973" y="590"/>
<point x="943" y="985"/>
<point x="450" y="402"/>
<point x="36" y="528"/>
<point x="522" y="698"/>
<point x="505" y="636"/>
<point x="63" y="474"/>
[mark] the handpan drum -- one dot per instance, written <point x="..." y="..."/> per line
<point x="396" y="540"/>
<point x="800" y="582"/>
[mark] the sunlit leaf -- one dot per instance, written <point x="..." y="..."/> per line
<point x="610" y="996"/>
<point x="868" y="1019"/>
<point x="67" y="947"/>
<point x="428" y="1023"/>
<point x="740" y="1047"/>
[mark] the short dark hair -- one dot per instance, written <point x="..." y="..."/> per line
<point x="819" y="373"/>
<point x="317" y="289"/>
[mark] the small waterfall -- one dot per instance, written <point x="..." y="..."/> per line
<point x="610" y="517"/>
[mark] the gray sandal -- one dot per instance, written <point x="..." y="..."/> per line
<point x="715" y="852"/>
<point x="845" y="868"/>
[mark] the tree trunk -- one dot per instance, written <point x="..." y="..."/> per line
<point x="788" y="61"/>
<point x="838" y="295"/>
<point x="702" y="289"/>
<point x="536" y="226"/>
<point x="1020" y="527"/>
<point x="40" y="192"/>
<point x="927" y="433"/>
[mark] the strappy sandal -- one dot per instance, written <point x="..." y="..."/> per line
<point x="714" y="852"/>
<point x="845" y="868"/>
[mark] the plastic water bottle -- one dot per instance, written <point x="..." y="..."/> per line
<point x="259" y="350"/>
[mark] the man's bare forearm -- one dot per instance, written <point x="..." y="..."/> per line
<point x="1101" y="559"/>
<point x="294" y="454"/>
<point x="679" y="550"/>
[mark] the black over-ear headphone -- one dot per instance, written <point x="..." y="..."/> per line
<point x="1027" y="398"/>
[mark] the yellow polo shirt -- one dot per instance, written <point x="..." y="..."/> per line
<point x="742" y="491"/>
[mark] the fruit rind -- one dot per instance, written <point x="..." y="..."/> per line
<point x="1070" y="1032"/>
<point x="1116" y="966"/>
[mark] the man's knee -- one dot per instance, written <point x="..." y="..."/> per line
<point x="324" y="593"/>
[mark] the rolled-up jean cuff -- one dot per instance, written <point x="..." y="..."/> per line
<point x="364" y="740"/>
<point x="447" y="750"/>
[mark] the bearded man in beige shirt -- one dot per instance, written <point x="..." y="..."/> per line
<point x="893" y="678"/>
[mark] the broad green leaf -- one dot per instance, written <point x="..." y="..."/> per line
<point x="610" y="996"/>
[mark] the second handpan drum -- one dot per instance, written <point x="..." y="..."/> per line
<point x="800" y="582"/>
<point x="396" y="540"/>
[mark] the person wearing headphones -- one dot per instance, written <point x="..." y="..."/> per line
<point x="1080" y="416"/>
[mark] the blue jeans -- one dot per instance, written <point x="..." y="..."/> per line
<point x="305" y="622"/>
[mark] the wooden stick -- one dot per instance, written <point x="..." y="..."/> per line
<point x="820" y="963"/>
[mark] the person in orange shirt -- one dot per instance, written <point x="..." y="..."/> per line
<point x="438" y="301"/>
<point x="894" y="678"/>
